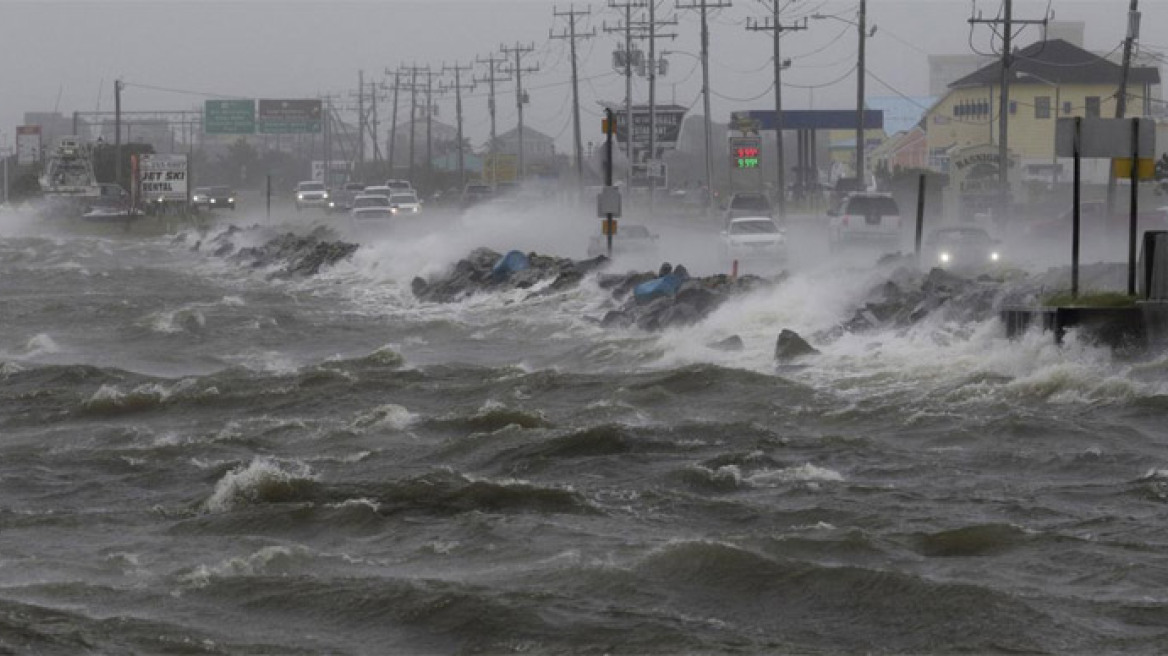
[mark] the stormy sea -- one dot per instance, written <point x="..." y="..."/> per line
<point x="289" y="437"/>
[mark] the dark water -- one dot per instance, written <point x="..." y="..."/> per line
<point x="196" y="457"/>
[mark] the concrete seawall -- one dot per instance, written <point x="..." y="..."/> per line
<point x="1138" y="327"/>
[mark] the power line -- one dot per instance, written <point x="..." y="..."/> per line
<point x="572" y="36"/>
<point x="774" y="25"/>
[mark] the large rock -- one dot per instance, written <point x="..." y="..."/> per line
<point x="731" y="343"/>
<point x="301" y="255"/>
<point x="478" y="272"/>
<point x="790" y="346"/>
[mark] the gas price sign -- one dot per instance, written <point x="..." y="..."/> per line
<point x="745" y="152"/>
<point x="747" y="157"/>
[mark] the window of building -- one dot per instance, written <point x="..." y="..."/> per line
<point x="1042" y="107"/>
<point x="1093" y="107"/>
<point x="1066" y="107"/>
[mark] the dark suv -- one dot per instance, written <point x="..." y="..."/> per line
<point x="747" y="203"/>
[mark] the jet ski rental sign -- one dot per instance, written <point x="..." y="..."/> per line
<point x="163" y="177"/>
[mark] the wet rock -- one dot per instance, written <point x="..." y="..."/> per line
<point x="475" y="273"/>
<point x="616" y="318"/>
<point x="731" y="343"/>
<point x="300" y="255"/>
<point x="677" y="315"/>
<point x="790" y="346"/>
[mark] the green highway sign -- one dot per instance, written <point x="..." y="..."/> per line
<point x="229" y="117"/>
<point x="290" y="116"/>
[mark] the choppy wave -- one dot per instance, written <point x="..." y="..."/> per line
<point x="263" y="480"/>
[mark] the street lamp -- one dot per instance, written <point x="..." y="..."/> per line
<point x="707" y="126"/>
<point x="863" y="33"/>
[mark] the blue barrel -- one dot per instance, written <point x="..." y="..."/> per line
<point x="510" y="263"/>
<point x="664" y="286"/>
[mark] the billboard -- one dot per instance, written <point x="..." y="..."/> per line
<point x="290" y="116"/>
<point x="339" y="171"/>
<point x="28" y="144"/>
<point x="646" y="172"/>
<point x="229" y="117"/>
<point x="498" y="167"/>
<point x="163" y="177"/>
<point x="668" y="125"/>
<point x="1105" y="137"/>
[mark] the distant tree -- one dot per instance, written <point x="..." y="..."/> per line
<point x="105" y="154"/>
<point x="241" y="163"/>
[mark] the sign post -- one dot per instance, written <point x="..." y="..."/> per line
<point x="920" y="216"/>
<point x="1116" y="138"/>
<point x="1135" y="202"/>
<point x="608" y="203"/>
<point x="1076" y="214"/>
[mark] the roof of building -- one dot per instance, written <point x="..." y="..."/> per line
<point x="1058" y="62"/>
<point x="528" y="133"/>
<point x="900" y="113"/>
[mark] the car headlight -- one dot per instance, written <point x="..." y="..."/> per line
<point x="944" y="257"/>
<point x="299" y="196"/>
<point x="213" y="200"/>
<point x="332" y="204"/>
<point x="995" y="256"/>
<point x="230" y="200"/>
<point x="325" y="196"/>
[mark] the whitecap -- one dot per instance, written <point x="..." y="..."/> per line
<point x="262" y="479"/>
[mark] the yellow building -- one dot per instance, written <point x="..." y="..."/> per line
<point x="1048" y="80"/>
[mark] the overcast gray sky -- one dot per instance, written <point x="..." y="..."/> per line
<point x="66" y="55"/>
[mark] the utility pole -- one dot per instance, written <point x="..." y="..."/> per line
<point x="704" y="6"/>
<point x="393" y="127"/>
<point x="1133" y="33"/>
<point x="413" y="115"/>
<point x="373" y="122"/>
<point x="1007" y="21"/>
<point x="652" y="65"/>
<point x="458" y="88"/>
<point x="572" y="36"/>
<point x="492" y="63"/>
<point x="118" y="132"/>
<point x="361" y="118"/>
<point x="518" y="70"/>
<point x="430" y="108"/>
<point x="628" y="6"/>
<point x="774" y="25"/>
<point x="862" y="32"/>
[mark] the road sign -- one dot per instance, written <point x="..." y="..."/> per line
<point x="642" y="172"/>
<point x="229" y="117"/>
<point x="1123" y="168"/>
<point x="290" y="116"/>
<point x="1103" y="137"/>
<point x="608" y="201"/>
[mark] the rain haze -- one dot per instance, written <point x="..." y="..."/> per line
<point x="454" y="327"/>
<point x="275" y="49"/>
